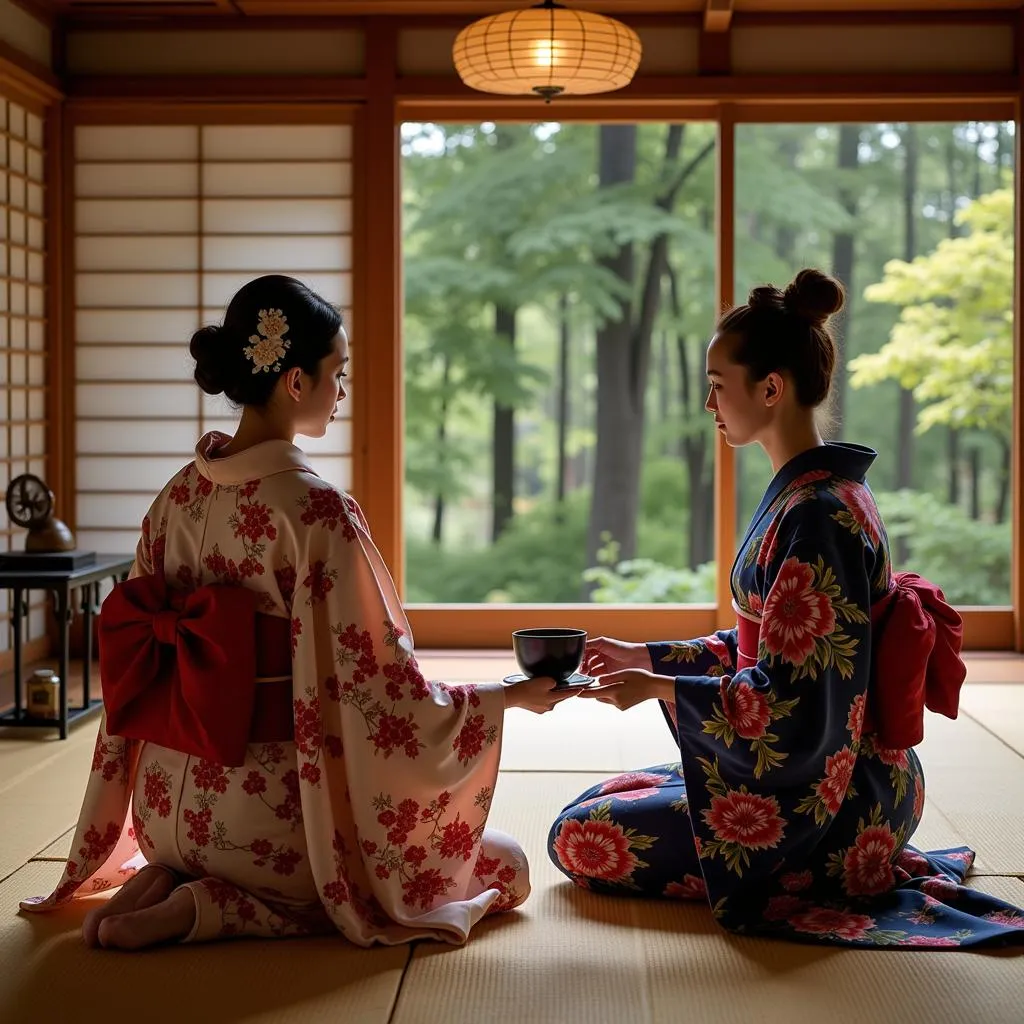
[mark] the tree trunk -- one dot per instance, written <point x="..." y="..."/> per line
<point x="1003" y="496"/>
<point x="905" y="429"/>
<point x="953" y="435"/>
<point x="694" y="447"/>
<point x="978" y="164"/>
<point x="624" y="347"/>
<point x="442" y="431"/>
<point x="953" y="458"/>
<point x="616" y="494"/>
<point x="664" y="380"/>
<point x="785" y="234"/>
<point x="1000" y="160"/>
<point x="848" y="159"/>
<point x="563" y="397"/>
<point x="974" y="465"/>
<point x="504" y="456"/>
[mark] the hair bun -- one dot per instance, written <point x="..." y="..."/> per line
<point x="209" y="347"/>
<point x="766" y="296"/>
<point x="814" y="296"/>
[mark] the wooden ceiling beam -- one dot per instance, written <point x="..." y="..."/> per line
<point x="41" y="10"/>
<point x="718" y="15"/>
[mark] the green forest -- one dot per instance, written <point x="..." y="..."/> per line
<point x="560" y="295"/>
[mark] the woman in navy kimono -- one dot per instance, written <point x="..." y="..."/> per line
<point x="794" y="801"/>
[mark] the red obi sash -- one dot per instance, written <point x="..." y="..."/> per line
<point x="916" y="664"/>
<point x="180" y="669"/>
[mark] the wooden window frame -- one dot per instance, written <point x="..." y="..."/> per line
<point x="746" y="99"/>
<point x="384" y="99"/>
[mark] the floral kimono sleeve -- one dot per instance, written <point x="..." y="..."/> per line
<point x="769" y="753"/>
<point x="396" y="774"/>
<point x="104" y="851"/>
<point x="709" y="655"/>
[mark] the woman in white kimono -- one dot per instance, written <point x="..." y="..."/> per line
<point x="270" y="761"/>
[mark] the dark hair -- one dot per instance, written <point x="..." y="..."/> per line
<point x="222" y="364"/>
<point x="788" y="330"/>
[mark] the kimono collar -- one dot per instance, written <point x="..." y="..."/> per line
<point x="838" y="458"/>
<point x="254" y="463"/>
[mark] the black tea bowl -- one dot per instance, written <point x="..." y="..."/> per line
<point x="549" y="651"/>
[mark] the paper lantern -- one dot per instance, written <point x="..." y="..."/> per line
<point x="547" y="50"/>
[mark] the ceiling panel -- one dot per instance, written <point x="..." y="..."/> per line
<point x="85" y="8"/>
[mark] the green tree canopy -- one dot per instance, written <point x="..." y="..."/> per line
<point x="953" y="342"/>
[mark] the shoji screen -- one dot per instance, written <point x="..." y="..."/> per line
<point x="169" y="221"/>
<point x="22" y="324"/>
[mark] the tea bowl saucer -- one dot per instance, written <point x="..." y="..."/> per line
<point x="577" y="681"/>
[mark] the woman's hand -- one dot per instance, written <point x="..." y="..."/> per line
<point x="631" y="687"/>
<point x="537" y="694"/>
<point x="603" y="655"/>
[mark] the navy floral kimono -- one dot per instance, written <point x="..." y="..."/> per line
<point x="785" y="813"/>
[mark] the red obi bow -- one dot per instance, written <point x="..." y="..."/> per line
<point x="180" y="669"/>
<point x="917" y="639"/>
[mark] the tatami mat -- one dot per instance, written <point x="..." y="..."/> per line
<point x="994" y="667"/>
<point x="977" y="782"/>
<point x="999" y="708"/>
<point x="571" y="957"/>
<point x="568" y="956"/>
<point x="59" y="849"/>
<point x="38" y="804"/>
<point x="585" y="735"/>
<point x="49" y="976"/>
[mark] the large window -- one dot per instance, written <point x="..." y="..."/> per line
<point x="559" y="284"/>
<point x="917" y="220"/>
<point x="170" y="220"/>
<point x="560" y="293"/>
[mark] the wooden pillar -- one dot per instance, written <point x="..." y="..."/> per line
<point x="1017" y="447"/>
<point x="725" y="457"/>
<point x="378" y="389"/>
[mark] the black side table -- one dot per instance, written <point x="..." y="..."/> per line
<point x="61" y="583"/>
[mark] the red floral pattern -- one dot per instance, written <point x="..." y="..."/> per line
<point x="746" y="819"/>
<point x="181" y="494"/>
<point x="632" y="785"/>
<point x="795" y="614"/>
<point x="867" y="867"/>
<point x="285" y="578"/>
<point x="595" y="849"/>
<point x="799" y="823"/>
<point x="834" y="787"/>
<point x="326" y="506"/>
<point x="319" y="581"/>
<point x="861" y="513"/>
<point x="747" y="711"/>
<point x="824" y="921"/>
<point x="361" y="710"/>
<point x="690" y="888"/>
<point x="796" y="881"/>
<point x="768" y="548"/>
<point x="781" y="908"/>
<point x="855" y="718"/>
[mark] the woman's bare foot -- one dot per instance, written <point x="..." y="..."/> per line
<point x="152" y="885"/>
<point x="170" y="920"/>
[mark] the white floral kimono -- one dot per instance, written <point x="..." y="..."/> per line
<point x="371" y="820"/>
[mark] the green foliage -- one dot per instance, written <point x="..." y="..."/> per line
<point x="953" y="343"/>
<point x="968" y="559"/>
<point x="644" y="581"/>
<point x="539" y="559"/>
<point x="512" y="215"/>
